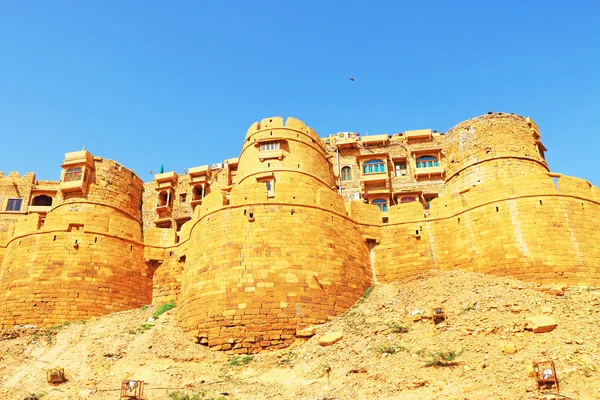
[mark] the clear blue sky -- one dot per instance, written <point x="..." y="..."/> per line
<point x="178" y="83"/>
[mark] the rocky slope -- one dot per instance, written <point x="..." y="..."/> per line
<point x="386" y="341"/>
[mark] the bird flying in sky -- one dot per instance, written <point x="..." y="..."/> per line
<point x="351" y="79"/>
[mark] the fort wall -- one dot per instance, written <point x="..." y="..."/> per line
<point x="524" y="228"/>
<point x="282" y="237"/>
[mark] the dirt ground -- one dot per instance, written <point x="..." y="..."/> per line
<point x="382" y="354"/>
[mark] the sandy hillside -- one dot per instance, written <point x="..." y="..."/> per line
<point x="382" y="354"/>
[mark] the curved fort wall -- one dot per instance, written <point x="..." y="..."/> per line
<point x="85" y="258"/>
<point x="267" y="261"/>
<point x="501" y="213"/>
<point x="540" y="234"/>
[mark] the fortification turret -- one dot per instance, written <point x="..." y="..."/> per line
<point x="492" y="147"/>
<point x="279" y="254"/>
<point x="85" y="257"/>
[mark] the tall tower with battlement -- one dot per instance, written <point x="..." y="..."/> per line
<point x="276" y="252"/>
<point x="84" y="256"/>
<point x="492" y="147"/>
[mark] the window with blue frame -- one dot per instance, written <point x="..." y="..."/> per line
<point x="346" y="174"/>
<point x="427" y="162"/>
<point x="373" y="166"/>
<point x="381" y="203"/>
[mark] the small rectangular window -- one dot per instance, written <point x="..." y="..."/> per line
<point x="14" y="204"/>
<point x="400" y="168"/>
<point x="182" y="197"/>
<point x="269" y="146"/>
<point x="270" y="186"/>
<point x="72" y="175"/>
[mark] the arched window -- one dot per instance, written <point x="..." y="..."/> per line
<point x="427" y="162"/>
<point x="346" y="174"/>
<point x="42" y="200"/>
<point x="373" y="166"/>
<point x="381" y="203"/>
<point x="407" y="199"/>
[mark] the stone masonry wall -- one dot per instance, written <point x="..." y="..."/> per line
<point x="86" y="259"/>
<point x="262" y="263"/>
<point x="524" y="228"/>
<point x="249" y="285"/>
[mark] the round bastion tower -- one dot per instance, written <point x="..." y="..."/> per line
<point x="492" y="147"/>
<point x="276" y="254"/>
<point x="85" y="258"/>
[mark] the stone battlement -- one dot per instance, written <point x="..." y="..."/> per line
<point x="294" y="230"/>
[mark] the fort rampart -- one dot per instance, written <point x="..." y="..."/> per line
<point x="294" y="230"/>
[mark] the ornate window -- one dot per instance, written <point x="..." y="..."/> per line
<point x="42" y="200"/>
<point x="381" y="203"/>
<point x="407" y="199"/>
<point x="269" y="146"/>
<point x="346" y="173"/>
<point x="73" y="174"/>
<point x="427" y="162"/>
<point x="373" y="166"/>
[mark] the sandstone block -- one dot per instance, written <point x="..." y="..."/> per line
<point x="307" y="332"/>
<point x="540" y="324"/>
<point x="330" y="338"/>
<point x="510" y="348"/>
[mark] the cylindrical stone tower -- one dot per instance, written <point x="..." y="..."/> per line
<point x="85" y="258"/>
<point x="492" y="147"/>
<point x="280" y="252"/>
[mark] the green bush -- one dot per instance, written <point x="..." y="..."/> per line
<point x="197" y="395"/>
<point x="442" y="358"/>
<point x="366" y="294"/>
<point x="385" y="349"/>
<point x="240" y="360"/>
<point x="163" y="309"/>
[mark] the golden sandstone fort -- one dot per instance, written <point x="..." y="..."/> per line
<point x="294" y="230"/>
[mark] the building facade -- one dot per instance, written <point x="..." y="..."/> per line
<point x="294" y="230"/>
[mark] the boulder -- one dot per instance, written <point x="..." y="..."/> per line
<point x="307" y="332"/>
<point x="510" y="348"/>
<point x="540" y="323"/>
<point x="330" y="338"/>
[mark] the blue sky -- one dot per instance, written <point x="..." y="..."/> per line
<point x="178" y="83"/>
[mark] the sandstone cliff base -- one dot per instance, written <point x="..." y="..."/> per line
<point x="375" y="359"/>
